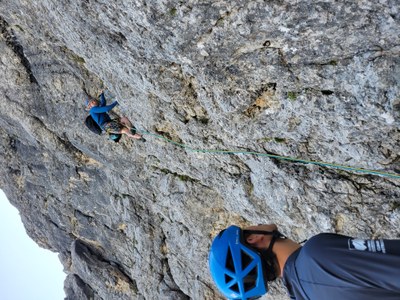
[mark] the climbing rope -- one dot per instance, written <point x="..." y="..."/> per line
<point x="287" y="158"/>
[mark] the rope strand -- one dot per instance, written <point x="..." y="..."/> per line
<point x="287" y="158"/>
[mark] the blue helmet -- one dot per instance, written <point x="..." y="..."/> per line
<point x="238" y="270"/>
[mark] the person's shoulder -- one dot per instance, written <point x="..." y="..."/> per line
<point x="325" y="236"/>
<point x="95" y="109"/>
<point x="324" y="242"/>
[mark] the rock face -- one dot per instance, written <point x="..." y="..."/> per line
<point x="314" y="80"/>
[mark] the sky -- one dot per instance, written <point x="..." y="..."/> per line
<point x="27" y="272"/>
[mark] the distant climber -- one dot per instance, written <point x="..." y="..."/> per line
<point x="328" y="267"/>
<point x="99" y="112"/>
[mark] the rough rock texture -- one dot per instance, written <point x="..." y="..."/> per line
<point x="312" y="79"/>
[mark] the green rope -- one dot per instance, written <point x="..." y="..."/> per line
<point x="288" y="158"/>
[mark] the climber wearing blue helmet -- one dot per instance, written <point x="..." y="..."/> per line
<point x="328" y="266"/>
<point x="114" y="127"/>
<point x="240" y="270"/>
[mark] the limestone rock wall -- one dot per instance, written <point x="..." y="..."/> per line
<point x="318" y="80"/>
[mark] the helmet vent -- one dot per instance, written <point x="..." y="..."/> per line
<point x="235" y="288"/>
<point x="246" y="259"/>
<point x="229" y="261"/>
<point x="250" y="279"/>
<point x="228" y="278"/>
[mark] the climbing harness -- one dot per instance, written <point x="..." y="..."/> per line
<point x="287" y="158"/>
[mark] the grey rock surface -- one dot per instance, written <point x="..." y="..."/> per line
<point x="317" y="80"/>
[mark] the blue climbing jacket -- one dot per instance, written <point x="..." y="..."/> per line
<point x="99" y="113"/>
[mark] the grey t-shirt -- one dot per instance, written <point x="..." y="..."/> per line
<point x="337" y="267"/>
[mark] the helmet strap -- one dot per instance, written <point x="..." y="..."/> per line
<point x="268" y="255"/>
<point x="275" y="235"/>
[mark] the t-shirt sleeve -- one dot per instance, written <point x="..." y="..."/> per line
<point x="103" y="109"/>
<point x="102" y="100"/>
